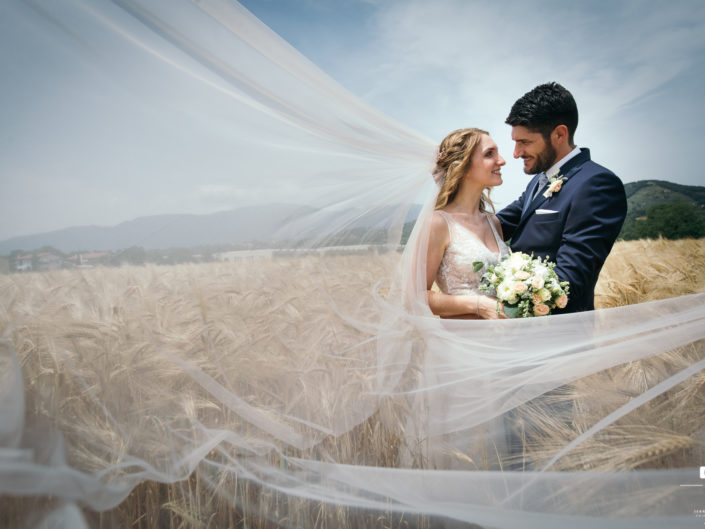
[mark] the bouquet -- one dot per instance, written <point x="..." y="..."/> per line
<point x="527" y="286"/>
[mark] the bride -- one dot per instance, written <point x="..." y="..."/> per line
<point x="280" y="382"/>
<point x="462" y="230"/>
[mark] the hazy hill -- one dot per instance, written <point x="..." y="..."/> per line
<point x="263" y="224"/>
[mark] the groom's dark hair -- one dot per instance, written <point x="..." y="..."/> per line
<point x="543" y="109"/>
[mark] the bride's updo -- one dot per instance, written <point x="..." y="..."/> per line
<point x="454" y="159"/>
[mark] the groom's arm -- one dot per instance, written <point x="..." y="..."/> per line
<point x="509" y="217"/>
<point x="593" y="224"/>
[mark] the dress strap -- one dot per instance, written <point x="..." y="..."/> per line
<point x="494" y="230"/>
<point x="448" y="220"/>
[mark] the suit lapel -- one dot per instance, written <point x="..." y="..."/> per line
<point x="572" y="165"/>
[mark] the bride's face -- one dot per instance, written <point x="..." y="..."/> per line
<point x="486" y="164"/>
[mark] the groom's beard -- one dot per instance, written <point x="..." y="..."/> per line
<point x="544" y="160"/>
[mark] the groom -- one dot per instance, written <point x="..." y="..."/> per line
<point x="573" y="209"/>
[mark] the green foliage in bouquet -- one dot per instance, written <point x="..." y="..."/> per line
<point x="526" y="286"/>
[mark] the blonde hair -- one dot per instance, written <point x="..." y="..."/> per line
<point x="454" y="160"/>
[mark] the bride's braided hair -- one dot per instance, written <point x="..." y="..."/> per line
<point x="454" y="158"/>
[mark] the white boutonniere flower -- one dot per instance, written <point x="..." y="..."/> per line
<point x="555" y="182"/>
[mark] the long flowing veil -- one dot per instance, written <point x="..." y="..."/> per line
<point x="311" y="387"/>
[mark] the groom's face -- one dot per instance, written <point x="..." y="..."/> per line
<point x="538" y="154"/>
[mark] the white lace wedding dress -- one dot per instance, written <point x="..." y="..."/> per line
<point x="483" y="446"/>
<point x="455" y="274"/>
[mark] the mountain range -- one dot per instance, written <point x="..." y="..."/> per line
<point x="264" y="225"/>
<point x="268" y="225"/>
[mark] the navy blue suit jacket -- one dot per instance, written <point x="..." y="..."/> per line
<point x="585" y="219"/>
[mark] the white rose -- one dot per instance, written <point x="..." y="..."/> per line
<point x="541" y="270"/>
<point x="504" y="292"/>
<point x="516" y="261"/>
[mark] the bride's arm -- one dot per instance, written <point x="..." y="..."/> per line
<point x="445" y="305"/>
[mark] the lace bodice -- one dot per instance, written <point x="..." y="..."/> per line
<point x="455" y="274"/>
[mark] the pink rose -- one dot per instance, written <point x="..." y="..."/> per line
<point x="541" y="309"/>
<point x="536" y="298"/>
<point x="562" y="301"/>
<point x="519" y="288"/>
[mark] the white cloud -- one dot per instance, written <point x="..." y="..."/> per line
<point x="635" y="70"/>
<point x="484" y="50"/>
<point x="448" y="64"/>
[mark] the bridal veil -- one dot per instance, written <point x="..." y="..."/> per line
<point x="314" y="388"/>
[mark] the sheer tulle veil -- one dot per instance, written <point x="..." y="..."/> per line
<point x="318" y="378"/>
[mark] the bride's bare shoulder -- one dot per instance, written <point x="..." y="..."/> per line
<point x="439" y="228"/>
<point x="438" y="221"/>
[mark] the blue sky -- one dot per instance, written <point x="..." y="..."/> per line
<point x="636" y="69"/>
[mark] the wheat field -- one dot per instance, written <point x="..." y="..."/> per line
<point x="106" y="323"/>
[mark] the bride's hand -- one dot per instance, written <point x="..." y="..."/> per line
<point x="490" y="309"/>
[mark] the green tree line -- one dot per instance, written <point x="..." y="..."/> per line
<point x="675" y="220"/>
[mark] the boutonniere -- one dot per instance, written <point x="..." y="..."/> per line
<point x="555" y="182"/>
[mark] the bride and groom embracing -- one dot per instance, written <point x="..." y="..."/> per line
<point x="570" y="212"/>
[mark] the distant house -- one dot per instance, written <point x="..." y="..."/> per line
<point x="23" y="263"/>
<point x="49" y="261"/>
<point x="244" y="254"/>
<point x="39" y="261"/>
<point x="89" y="260"/>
